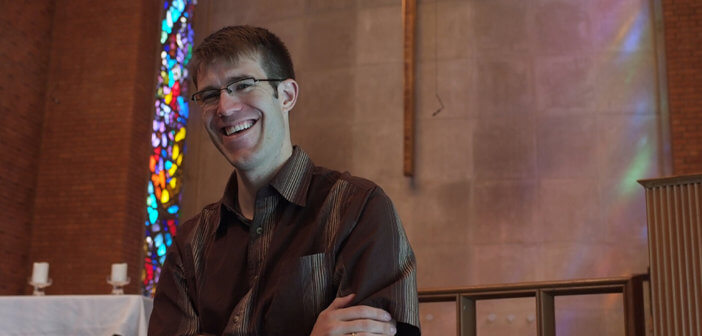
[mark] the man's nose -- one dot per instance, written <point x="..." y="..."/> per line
<point x="229" y="103"/>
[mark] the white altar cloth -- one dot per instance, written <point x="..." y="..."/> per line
<point x="109" y="315"/>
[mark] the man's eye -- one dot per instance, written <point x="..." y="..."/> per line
<point x="239" y="86"/>
<point x="210" y="97"/>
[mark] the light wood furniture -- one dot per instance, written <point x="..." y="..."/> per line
<point x="631" y="289"/>
<point x="674" y="216"/>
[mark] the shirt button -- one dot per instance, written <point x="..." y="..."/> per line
<point x="259" y="230"/>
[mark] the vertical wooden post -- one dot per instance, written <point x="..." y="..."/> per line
<point x="634" y="306"/>
<point x="467" y="324"/>
<point x="409" y="14"/>
<point x="546" y="314"/>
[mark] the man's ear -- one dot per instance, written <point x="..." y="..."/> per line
<point x="287" y="94"/>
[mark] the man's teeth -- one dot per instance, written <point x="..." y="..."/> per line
<point x="238" y="127"/>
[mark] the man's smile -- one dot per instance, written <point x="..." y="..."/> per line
<point x="239" y="127"/>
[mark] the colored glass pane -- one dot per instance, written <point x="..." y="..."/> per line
<point x="168" y="138"/>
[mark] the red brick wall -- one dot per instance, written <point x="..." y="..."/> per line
<point x="91" y="187"/>
<point x="81" y="84"/>
<point x="683" y="47"/>
<point x="24" y="58"/>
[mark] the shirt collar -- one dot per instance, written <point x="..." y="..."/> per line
<point x="292" y="181"/>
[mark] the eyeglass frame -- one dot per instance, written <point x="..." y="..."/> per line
<point x="228" y="87"/>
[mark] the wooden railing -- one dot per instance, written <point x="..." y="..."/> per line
<point x="544" y="293"/>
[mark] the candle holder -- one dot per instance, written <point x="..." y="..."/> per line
<point x="39" y="287"/>
<point x="117" y="285"/>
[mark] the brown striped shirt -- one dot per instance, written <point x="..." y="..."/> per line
<point x="316" y="234"/>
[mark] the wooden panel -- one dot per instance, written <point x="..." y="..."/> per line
<point x="675" y="240"/>
<point x="409" y="14"/>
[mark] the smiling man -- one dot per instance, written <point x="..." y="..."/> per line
<point x="291" y="248"/>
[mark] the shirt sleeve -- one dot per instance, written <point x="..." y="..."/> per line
<point x="173" y="312"/>
<point x="377" y="263"/>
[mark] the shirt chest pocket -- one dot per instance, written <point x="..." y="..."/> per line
<point x="301" y="295"/>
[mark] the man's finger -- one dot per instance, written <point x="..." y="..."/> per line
<point x="362" y="312"/>
<point x="341" y="302"/>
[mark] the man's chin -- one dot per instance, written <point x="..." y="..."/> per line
<point x="245" y="160"/>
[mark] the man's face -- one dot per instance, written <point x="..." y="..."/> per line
<point x="249" y="126"/>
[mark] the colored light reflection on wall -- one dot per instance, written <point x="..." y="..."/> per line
<point x="628" y="36"/>
<point x="167" y="139"/>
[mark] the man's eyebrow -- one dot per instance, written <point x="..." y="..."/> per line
<point x="237" y="78"/>
<point x="228" y="81"/>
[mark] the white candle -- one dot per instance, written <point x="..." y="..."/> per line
<point x="119" y="272"/>
<point x="40" y="273"/>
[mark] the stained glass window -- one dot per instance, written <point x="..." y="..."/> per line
<point x="168" y="138"/>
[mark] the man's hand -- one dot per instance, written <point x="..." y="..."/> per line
<point x="338" y="319"/>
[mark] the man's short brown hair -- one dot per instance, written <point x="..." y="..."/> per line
<point x="231" y="43"/>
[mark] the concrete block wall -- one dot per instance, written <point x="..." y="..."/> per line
<point x="529" y="170"/>
<point x="546" y="124"/>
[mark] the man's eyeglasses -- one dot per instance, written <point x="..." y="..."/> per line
<point x="210" y="97"/>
